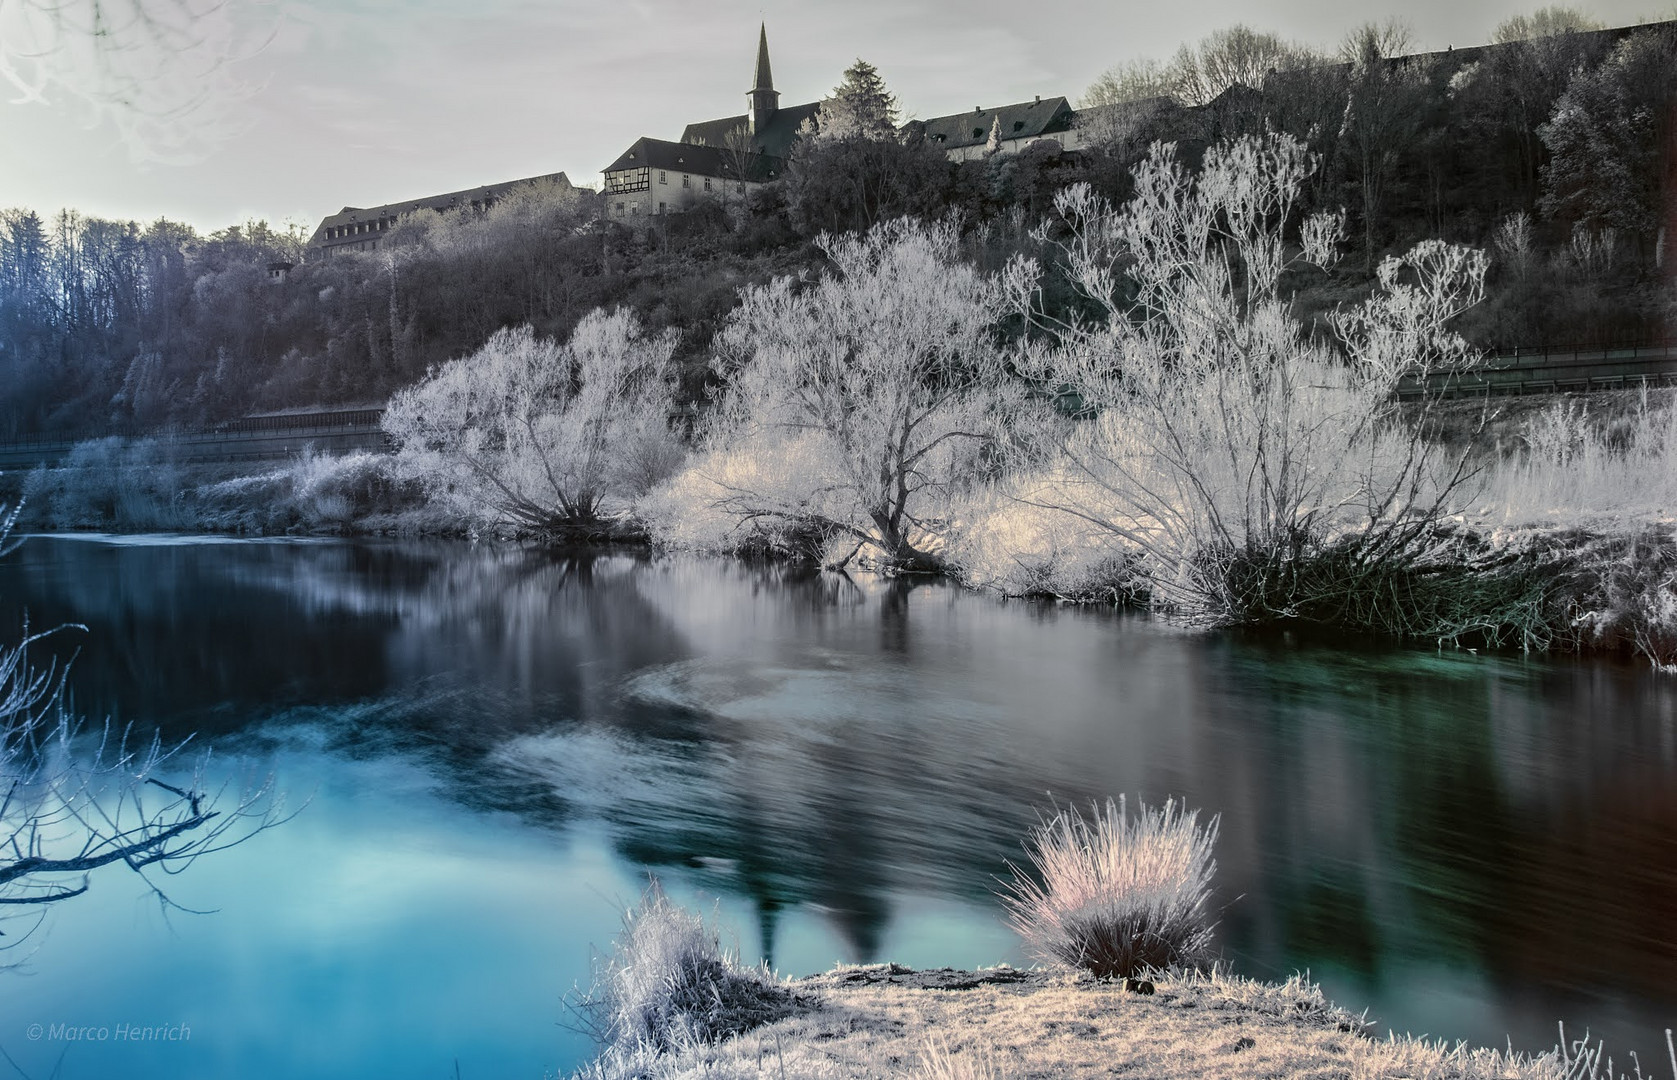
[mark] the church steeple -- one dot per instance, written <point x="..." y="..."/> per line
<point x="762" y="99"/>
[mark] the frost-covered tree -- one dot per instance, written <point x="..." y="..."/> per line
<point x="543" y="437"/>
<point x="857" y="405"/>
<point x="1223" y="452"/>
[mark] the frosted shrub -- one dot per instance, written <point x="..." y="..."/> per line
<point x="1574" y="470"/>
<point x="536" y="436"/>
<point x="112" y="483"/>
<point x="1224" y="449"/>
<point x="1121" y="895"/>
<point x="856" y="406"/>
<point x="701" y="507"/>
<point x="667" y="983"/>
<point x="1004" y="538"/>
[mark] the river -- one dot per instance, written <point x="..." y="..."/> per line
<point x="492" y="746"/>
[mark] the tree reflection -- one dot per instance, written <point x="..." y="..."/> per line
<point x="808" y="741"/>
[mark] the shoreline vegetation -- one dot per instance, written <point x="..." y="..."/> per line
<point x="1171" y="434"/>
<point x="1114" y="903"/>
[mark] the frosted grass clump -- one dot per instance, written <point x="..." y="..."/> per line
<point x="668" y="983"/>
<point x="1118" y="895"/>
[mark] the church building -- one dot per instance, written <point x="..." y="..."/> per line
<point x="715" y="160"/>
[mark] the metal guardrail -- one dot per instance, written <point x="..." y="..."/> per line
<point x="1581" y="369"/>
<point x="250" y="438"/>
<point x="275" y="422"/>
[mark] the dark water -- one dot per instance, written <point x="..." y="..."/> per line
<point x="500" y="743"/>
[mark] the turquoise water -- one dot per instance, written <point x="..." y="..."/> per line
<point x="493" y="747"/>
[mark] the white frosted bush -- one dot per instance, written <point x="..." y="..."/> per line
<point x="539" y="436"/>
<point x="667" y="982"/>
<point x="1222" y="444"/>
<point x="1118" y="896"/>
<point x="856" y="406"/>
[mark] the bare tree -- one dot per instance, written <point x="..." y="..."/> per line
<point x="741" y="160"/>
<point x="1236" y="56"/>
<point x="75" y="798"/>
<point x="544" y="437"/>
<point x="1384" y="115"/>
<point x="858" y="404"/>
<point x="1227" y="453"/>
<point x="1133" y="80"/>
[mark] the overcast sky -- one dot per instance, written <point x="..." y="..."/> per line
<point x="296" y="108"/>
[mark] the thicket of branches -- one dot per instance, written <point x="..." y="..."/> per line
<point x="1546" y="148"/>
<point x="76" y="798"/>
<point x="854" y="407"/>
<point x="540" y="437"/>
<point x="1222" y="452"/>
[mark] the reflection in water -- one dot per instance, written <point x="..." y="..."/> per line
<point x="1472" y="846"/>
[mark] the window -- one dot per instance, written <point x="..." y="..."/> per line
<point x="619" y="208"/>
<point x="707" y="183"/>
<point x="686" y="181"/>
<point x="1019" y="125"/>
<point x="663" y="177"/>
<point x="660" y="208"/>
<point x="626" y="180"/>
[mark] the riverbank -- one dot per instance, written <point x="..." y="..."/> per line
<point x="885" y="1020"/>
<point x="1563" y="537"/>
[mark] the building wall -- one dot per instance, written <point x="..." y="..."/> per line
<point x="669" y="191"/>
<point x="1068" y="140"/>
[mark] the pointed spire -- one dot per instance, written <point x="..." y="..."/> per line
<point x="764" y="79"/>
<point x="762" y="99"/>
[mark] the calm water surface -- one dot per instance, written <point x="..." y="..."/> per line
<point x="499" y="744"/>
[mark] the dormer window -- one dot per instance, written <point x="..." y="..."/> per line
<point x="1019" y="125"/>
<point x="978" y="133"/>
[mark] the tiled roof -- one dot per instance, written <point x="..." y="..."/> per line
<point x="649" y="153"/>
<point x="774" y="139"/>
<point x="488" y="193"/>
<point x="1026" y="120"/>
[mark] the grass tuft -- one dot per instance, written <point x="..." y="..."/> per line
<point x="1117" y="895"/>
<point x="939" y="1062"/>
<point x="667" y="983"/>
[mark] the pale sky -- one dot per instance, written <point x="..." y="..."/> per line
<point x="326" y="103"/>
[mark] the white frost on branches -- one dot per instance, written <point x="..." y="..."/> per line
<point x="856" y="405"/>
<point x="540" y="436"/>
<point x="161" y="71"/>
